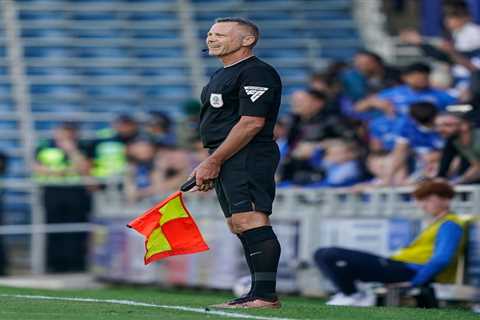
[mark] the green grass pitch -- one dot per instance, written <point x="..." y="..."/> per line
<point x="22" y="308"/>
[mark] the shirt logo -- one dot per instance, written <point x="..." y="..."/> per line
<point x="255" y="92"/>
<point x="216" y="100"/>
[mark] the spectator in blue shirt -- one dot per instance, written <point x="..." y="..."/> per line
<point x="340" y="164"/>
<point x="369" y="75"/>
<point x="415" y="136"/>
<point x="417" y="88"/>
<point x="382" y="133"/>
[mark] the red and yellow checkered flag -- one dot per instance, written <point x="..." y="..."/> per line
<point x="169" y="230"/>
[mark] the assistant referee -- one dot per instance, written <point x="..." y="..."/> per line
<point x="239" y="109"/>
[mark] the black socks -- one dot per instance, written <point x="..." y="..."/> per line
<point x="262" y="251"/>
<point x="249" y="262"/>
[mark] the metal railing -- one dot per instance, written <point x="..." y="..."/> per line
<point x="309" y="207"/>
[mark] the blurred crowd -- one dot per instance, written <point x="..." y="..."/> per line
<point x="366" y="123"/>
<point x="151" y="157"/>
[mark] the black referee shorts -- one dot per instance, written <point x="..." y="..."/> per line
<point x="247" y="180"/>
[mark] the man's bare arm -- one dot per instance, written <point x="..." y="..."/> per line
<point x="471" y="175"/>
<point x="399" y="157"/>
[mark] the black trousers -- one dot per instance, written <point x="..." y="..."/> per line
<point x="343" y="267"/>
<point x="67" y="252"/>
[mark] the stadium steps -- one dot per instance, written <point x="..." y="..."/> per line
<point x="104" y="57"/>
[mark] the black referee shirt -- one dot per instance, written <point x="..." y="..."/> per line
<point x="248" y="88"/>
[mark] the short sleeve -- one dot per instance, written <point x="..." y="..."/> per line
<point x="386" y="94"/>
<point x="403" y="131"/>
<point x="259" y="88"/>
<point x="446" y="99"/>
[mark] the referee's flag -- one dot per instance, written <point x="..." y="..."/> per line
<point x="169" y="230"/>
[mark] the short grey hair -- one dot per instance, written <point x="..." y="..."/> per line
<point x="243" y="22"/>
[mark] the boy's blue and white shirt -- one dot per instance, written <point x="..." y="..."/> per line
<point x="419" y="138"/>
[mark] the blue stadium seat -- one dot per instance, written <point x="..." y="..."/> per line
<point x="6" y="105"/>
<point x="112" y="91"/>
<point x="300" y="72"/>
<point x="327" y="15"/>
<point x="184" y="91"/>
<point x="9" y="143"/>
<point x="37" y="2"/>
<point x="260" y="16"/>
<point x="94" y="16"/>
<point x="8" y="124"/>
<point x="49" y="71"/>
<point x="47" y="52"/>
<point x="5" y="90"/>
<point x="153" y="16"/>
<point x="101" y="52"/>
<point x="42" y="125"/>
<point x="281" y="53"/>
<point x="211" y="15"/>
<point x="153" y="1"/>
<point x="109" y="34"/>
<point x="289" y="89"/>
<point x="284" y="33"/>
<point x="156" y="34"/>
<point x="113" y="107"/>
<point x="58" y="91"/>
<point x="97" y="125"/>
<point x="56" y="107"/>
<point x="106" y="71"/>
<point x="43" y="33"/>
<point x="164" y="72"/>
<point x="146" y="53"/>
<point x="3" y="70"/>
<point x="37" y="15"/>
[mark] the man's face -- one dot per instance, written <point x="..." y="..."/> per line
<point x="317" y="104"/>
<point x="417" y="80"/>
<point x="224" y="38"/>
<point x="455" y="23"/>
<point x="125" y="128"/>
<point x="142" y="151"/>
<point x="364" y="63"/>
<point x="65" y="134"/>
<point x="447" y="126"/>
<point x="433" y="204"/>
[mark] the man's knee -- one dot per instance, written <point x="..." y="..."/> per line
<point x="244" y="221"/>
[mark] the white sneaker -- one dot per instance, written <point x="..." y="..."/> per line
<point x="364" y="299"/>
<point x="340" y="299"/>
<point x="359" y="299"/>
<point x="476" y="308"/>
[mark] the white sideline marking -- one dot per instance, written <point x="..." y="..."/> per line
<point x="143" y="304"/>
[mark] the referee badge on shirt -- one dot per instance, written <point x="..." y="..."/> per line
<point x="216" y="100"/>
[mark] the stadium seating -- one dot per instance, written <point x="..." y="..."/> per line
<point x="100" y="57"/>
